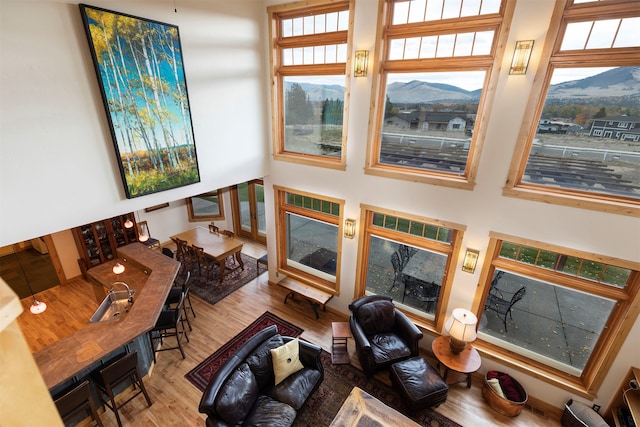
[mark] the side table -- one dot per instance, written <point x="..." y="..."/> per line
<point x="341" y="332"/>
<point x="466" y="362"/>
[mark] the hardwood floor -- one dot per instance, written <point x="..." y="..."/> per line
<point x="175" y="400"/>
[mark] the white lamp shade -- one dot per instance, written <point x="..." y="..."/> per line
<point x="462" y="325"/>
<point x="118" y="268"/>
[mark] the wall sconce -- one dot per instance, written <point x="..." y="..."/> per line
<point x="361" y="63"/>
<point x="349" y="228"/>
<point x="521" y="56"/>
<point x="470" y="260"/>
<point x="462" y="329"/>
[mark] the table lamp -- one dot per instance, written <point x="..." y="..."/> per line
<point x="462" y="329"/>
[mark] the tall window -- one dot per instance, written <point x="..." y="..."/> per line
<point x="311" y="44"/>
<point x="437" y="60"/>
<point x="584" y="141"/>
<point x="556" y="309"/>
<point x="309" y="236"/>
<point x="410" y="260"/>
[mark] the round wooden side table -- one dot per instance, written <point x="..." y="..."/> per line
<point x="466" y="362"/>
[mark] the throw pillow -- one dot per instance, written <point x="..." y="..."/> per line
<point x="286" y="360"/>
<point x="587" y="415"/>
<point x="495" y="385"/>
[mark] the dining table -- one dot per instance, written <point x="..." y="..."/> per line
<point x="216" y="246"/>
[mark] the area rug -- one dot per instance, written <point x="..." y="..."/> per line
<point x="212" y="291"/>
<point x="324" y="404"/>
<point x="201" y="374"/>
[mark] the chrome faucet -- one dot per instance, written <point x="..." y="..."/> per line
<point x="129" y="292"/>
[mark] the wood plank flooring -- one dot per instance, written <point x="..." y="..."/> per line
<point x="175" y="400"/>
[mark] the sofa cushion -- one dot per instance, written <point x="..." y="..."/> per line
<point x="269" y="412"/>
<point x="286" y="360"/>
<point x="296" y="388"/>
<point x="237" y="396"/>
<point x="260" y="361"/>
<point x="388" y="347"/>
<point x="376" y="317"/>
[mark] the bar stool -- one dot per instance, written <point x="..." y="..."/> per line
<point x="175" y="293"/>
<point x="168" y="325"/>
<point x="76" y="400"/>
<point x="107" y="379"/>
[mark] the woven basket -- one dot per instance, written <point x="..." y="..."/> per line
<point x="502" y="405"/>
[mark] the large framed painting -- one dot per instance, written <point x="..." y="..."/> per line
<point x="141" y="76"/>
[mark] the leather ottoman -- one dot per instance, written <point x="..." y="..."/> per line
<point x="419" y="384"/>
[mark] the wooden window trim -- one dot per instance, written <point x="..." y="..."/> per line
<point x="554" y="58"/>
<point x="278" y="71"/>
<point x="614" y="334"/>
<point x="193" y="218"/>
<point x="282" y="208"/>
<point x="465" y="181"/>
<point x="452" y="251"/>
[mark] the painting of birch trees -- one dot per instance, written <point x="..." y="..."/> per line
<point x="141" y="75"/>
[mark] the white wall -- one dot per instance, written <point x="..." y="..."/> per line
<point x="57" y="162"/>
<point x="58" y="170"/>
<point x="482" y="210"/>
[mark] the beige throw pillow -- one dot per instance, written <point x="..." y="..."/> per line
<point x="286" y="360"/>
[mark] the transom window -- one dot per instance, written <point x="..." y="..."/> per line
<point x="309" y="62"/>
<point x="583" y="145"/>
<point x="409" y="259"/>
<point x="309" y="237"/>
<point x="555" y="309"/>
<point x="436" y="62"/>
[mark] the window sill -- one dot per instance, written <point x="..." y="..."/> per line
<point x="460" y="182"/>
<point x="558" y="197"/>
<point x="312" y="160"/>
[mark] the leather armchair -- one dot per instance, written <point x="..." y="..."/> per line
<point x="383" y="335"/>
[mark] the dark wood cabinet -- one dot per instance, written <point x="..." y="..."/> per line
<point x="97" y="242"/>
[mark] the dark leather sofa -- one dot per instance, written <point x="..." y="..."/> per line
<point x="383" y="334"/>
<point x="242" y="391"/>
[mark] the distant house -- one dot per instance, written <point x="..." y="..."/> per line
<point x="558" y="126"/>
<point x="624" y="128"/>
<point x="431" y="120"/>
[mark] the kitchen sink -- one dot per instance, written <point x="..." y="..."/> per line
<point x="113" y="307"/>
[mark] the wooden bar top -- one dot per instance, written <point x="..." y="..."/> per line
<point x="151" y="274"/>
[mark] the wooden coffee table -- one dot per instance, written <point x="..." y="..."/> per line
<point x="466" y="362"/>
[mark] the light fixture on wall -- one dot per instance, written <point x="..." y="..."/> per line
<point x="361" y="63"/>
<point x="349" y="228"/>
<point x="462" y="329"/>
<point x="470" y="260"/>
<point x="521" y="56"/>
<point x="38" y="306"/>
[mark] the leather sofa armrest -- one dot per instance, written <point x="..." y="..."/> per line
<point x="408" y="331"/>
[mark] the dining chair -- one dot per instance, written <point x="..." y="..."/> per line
<point x="204" y="261"/>
<point x="213" y="229"/>
<point x="231" y="234"/>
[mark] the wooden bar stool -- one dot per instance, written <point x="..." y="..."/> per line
<point x="107" y="379"/>
<point x="76" y="400"/>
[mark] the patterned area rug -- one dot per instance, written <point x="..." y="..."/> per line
<point x="324" y="404"/>
<point x="212" y="291"/>
<point x="201" y="374"/>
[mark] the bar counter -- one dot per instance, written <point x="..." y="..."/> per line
<point x="151" y="274"/>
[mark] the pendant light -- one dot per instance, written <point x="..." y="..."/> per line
<point x="38" y="306"/>
<point x="143" y="234"/>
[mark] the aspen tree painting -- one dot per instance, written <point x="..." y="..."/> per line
<point x="141" y="75"/>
